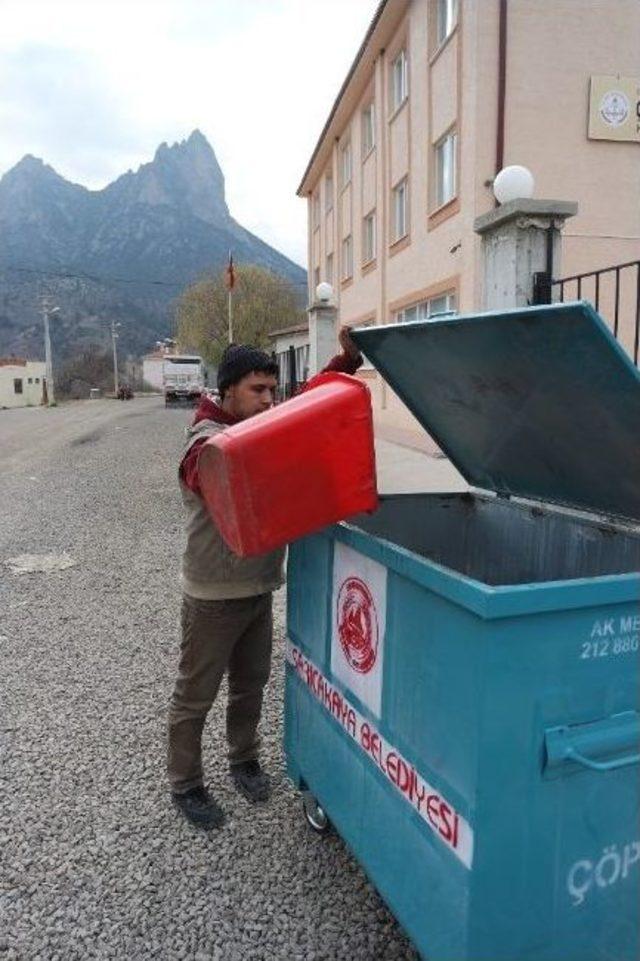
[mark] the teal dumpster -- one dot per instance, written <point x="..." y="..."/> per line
<point x="462" y="669"/>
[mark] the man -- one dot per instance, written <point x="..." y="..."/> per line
<point x="226" y="611"/>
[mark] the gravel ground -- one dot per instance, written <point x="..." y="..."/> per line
<point x="94" y="862"/>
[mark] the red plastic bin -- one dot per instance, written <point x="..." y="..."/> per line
<point x="293" y="469"/>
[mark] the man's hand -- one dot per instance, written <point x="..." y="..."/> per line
<point x="348" y="345"/>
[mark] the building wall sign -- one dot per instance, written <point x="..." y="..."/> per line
<point x="614" y="108"/>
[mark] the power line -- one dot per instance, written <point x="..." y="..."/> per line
<point x="96" y="278"/>
<point x="104" y="278"/>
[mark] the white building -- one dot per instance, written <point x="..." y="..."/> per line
<point x="22" y="382"/>
<point x="152" y="369"/>
<point x="441" y="96"/>
<point x="284" y="341"/>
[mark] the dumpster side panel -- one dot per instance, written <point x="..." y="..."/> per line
<point x="558" y="850"/>
<point x="421" y="881"/>
<point x="308" y="612"/>
<point x="398" y="787"/>
<point x="309" y="595"/>
<point x="322" y="759"/>
<point x="434" y="685"/>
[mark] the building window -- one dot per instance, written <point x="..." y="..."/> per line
<point x="347" y="258"/>
<point x="345" y="165"/>
<point x="302" y="363"/>
<point x="17" y="385"/>
<point x="37" y="380"/>
<point x="328" y="193"/>
<point x="400" y="210"/>
<point x="427" y="309"/>
<point x="30" y="381"/>
<point x="368" y="130"/>
<point x="369" y="237"/>
<point x="399" y="81"/>
<point x="329" y="269"/>
<point x="446" y="185"/>
<point x="316" y="209"/>
<point x="283" y="377"/>
<point x="447" y="17"/>
<point x="283" y="359"/>
<point x="316" y="278"/>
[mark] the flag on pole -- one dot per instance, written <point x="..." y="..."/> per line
<point x="230" y="273"/>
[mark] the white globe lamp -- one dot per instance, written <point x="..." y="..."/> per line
<point x="513" y="183"/>
<point x="324" y="292"/>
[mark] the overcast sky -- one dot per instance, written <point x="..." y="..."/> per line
<point x="93" y="86"/>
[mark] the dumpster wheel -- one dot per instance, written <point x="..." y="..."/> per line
<point x="314" y="814"/>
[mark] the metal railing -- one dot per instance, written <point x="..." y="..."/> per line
<point x="614" y="292"/>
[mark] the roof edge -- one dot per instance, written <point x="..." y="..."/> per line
<point x="296" y="329"/>
<point x="398" y="7"/>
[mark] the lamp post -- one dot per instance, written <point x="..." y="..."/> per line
<point x="48" y="312"/>
<point x="324" y="292"/>
<point x="114" y="337"/>
<point x="513" y="183"/>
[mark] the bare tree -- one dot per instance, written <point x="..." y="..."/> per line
<point x="92" y="366"/>
<point x="262" y="302"/>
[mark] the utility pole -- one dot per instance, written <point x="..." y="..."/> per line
<point x="114" y="337"/>
<point x="46" y="313"/>
<point x="230" y="280"/>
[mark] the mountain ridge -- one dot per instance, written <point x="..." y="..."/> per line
<point x="125" y="249"/>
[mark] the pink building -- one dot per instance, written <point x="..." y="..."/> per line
<point x="442" y="95"/>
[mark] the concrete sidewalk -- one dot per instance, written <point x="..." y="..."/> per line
<point x="403" y="470"/>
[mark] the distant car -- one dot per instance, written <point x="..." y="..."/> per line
<point x="125" y="392"/>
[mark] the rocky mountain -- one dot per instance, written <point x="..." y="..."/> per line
<point x="123" y="253"/>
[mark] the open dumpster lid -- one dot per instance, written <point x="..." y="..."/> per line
<point x="540" y="403"/>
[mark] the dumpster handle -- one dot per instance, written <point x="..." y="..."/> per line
<point x="573" y="755"/>
<point x="580" y="744"/>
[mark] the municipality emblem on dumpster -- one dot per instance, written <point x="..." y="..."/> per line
<point x="357" y="624"/>
<point x="359" y="618"/>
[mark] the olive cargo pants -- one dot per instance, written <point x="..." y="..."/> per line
<point x="217" y="636"/>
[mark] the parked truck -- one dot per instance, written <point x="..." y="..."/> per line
<point x="183" y="379"/>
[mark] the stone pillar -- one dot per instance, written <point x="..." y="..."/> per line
<point x="519" y="240"/>
<point x="322" y="335"/>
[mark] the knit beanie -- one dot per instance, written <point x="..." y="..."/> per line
<point x="239" y="360"/>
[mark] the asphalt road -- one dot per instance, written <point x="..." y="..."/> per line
<point x="94" y="861"/>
